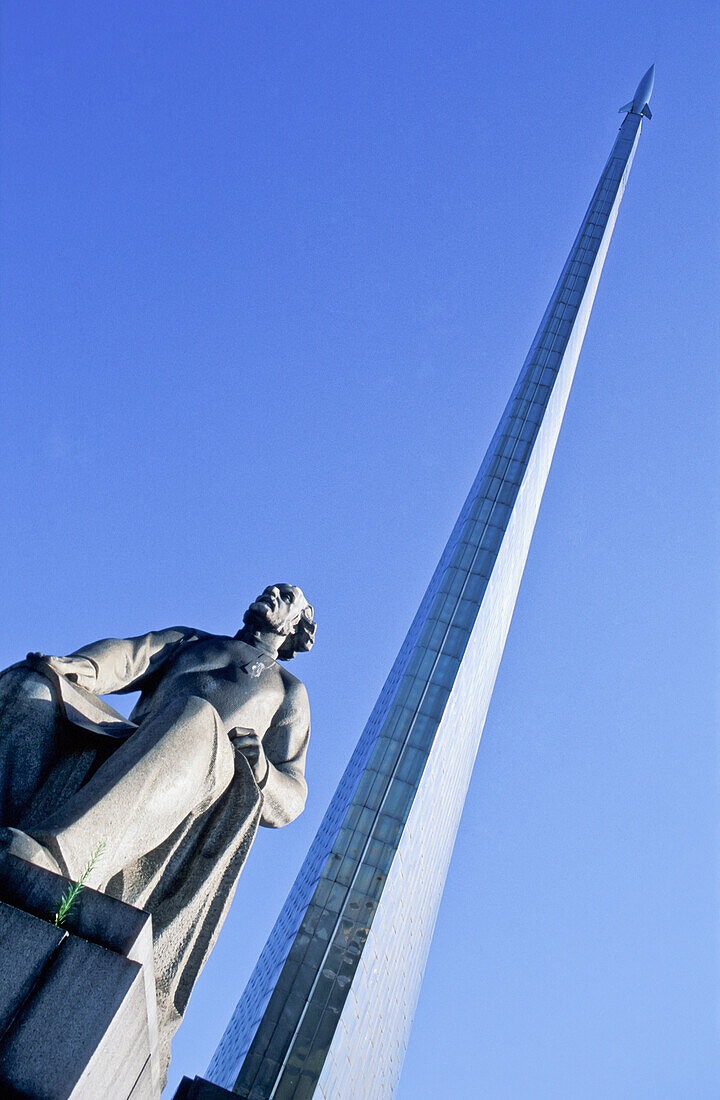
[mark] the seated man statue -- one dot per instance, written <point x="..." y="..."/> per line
<point x="172" y="797"/>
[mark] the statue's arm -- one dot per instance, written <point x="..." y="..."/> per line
<point x="285" y="744"/>
<point x="115" y="664"/>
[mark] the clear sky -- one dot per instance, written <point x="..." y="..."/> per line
<point x="269" y="271"/>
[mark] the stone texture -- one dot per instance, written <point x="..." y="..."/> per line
<point x="143" y="1089"/>
<point x="82" y="1032"/>
<point x="27" y="945"/>
<point x="77" y="1009"/>
<point x="96" y="917"/>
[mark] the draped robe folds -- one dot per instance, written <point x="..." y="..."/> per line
<point x="186" y="882"/>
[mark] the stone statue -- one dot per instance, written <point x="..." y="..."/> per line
<point x="215" y="746"/>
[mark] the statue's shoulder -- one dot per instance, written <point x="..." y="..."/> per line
<point x="295" y="690"/>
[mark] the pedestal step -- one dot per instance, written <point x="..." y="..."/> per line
<point x="77" y="1003"/>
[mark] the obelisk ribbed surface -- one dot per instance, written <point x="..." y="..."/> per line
<point x="328" y="1008"/>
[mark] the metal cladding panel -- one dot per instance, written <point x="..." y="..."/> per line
<point x="366" y="1056"/>
<point x="328" y="1008"/>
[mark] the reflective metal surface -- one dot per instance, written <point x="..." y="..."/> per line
<point x="328" y="1008"/>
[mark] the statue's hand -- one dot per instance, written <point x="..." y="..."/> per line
<point x="250" y="745"/>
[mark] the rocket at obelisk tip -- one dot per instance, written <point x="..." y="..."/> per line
<point x="638" y="105"/>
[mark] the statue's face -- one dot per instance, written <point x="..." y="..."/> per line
<point x="278" y="608"/>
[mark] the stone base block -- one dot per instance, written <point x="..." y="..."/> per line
<point x="77" y="1003"/>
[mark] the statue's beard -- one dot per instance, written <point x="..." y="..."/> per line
<point x="257" y="617"/>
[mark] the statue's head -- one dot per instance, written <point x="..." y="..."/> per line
<point x="283" y="609"/>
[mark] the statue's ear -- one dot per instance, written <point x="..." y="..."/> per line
<point x="302" y="638"/>
<point x="309" y="627"/>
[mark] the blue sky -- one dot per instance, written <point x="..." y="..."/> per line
<point x="269" y="272"/>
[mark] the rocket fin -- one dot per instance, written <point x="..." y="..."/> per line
<point x="627" y="107"/>
<point x="646" y="111"/>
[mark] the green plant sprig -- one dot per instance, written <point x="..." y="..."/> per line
<point x="71" y="895"/>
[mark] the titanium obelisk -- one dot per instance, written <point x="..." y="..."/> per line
<point x="329" y="1006"/>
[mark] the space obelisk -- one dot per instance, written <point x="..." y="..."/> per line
<point x="328" y="1008"/>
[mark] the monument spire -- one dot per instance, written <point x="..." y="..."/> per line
<point x="328" y="1008"/>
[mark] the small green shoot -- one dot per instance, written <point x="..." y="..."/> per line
<point x="71" y="895"/>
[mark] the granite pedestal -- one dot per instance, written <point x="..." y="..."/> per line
<point x="78" y="1018"/>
